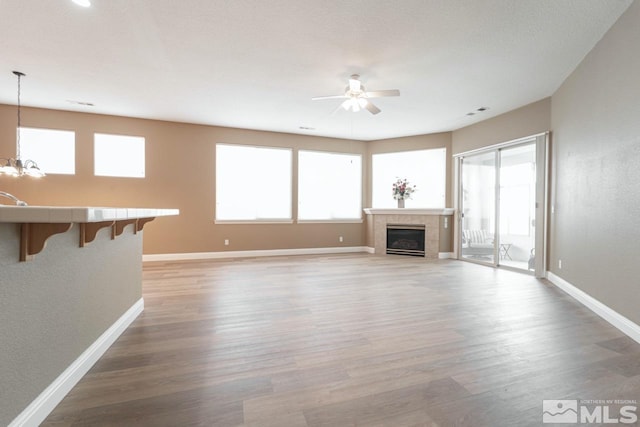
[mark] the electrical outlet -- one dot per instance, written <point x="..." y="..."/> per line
<point x="559" y="264"/>
<point x="340" y="239"/>
<point x="226" y="242"/>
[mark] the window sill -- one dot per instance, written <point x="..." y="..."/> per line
<point x="330" y="221"/>
<point x="252" y="221"/>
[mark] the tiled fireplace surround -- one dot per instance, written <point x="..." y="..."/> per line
<point x="430" y="218"/>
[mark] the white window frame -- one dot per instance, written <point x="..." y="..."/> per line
<point x="356" y="197"/>
<point x="48" y="160"/>
<point x="121" y="152"/>
<point x="422" y="183"/>
<point x="257" y="219"/>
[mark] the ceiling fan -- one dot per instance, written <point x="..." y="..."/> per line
<point x="356" y="97"/>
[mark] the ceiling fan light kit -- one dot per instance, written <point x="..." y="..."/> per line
<point x="357" y="98"/>
<point x="83" y="3"/>
<point x="355" y="104"/>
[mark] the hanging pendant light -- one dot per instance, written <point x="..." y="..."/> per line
<point x="17" y="166"/>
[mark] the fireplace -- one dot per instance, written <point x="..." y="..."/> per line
<point x="405" y="239"/>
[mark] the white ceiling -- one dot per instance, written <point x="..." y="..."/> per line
<point x="256" y="64"/>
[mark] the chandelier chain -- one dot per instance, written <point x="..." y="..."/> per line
<point x="18" y="136"/>
<point x="16" y="166"/>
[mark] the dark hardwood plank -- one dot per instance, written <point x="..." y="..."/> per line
<point x="346" y="340"/>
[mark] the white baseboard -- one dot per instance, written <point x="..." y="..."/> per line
<point x="251" y="254"/>
<point x="269" y="252"/>
<point x="616" y="319"/>
<point x="42" y="406"/>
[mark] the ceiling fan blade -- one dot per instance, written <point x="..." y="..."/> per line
<point x="372" y="108"/>
<point x="355" y="85"/>
<point x="329" y="97"/>
<point x="381" y="93"/>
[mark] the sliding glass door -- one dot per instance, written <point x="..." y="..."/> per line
<point x="517" y="206"/>
<point x="501" y="200"/>
<point x="478" y="207"/>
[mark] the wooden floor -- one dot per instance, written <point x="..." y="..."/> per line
<point x="349" y="340"/>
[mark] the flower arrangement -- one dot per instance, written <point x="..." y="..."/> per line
<point x="402" y="190"/>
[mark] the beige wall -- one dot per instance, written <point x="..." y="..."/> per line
<point x="595" y="227"/>
<point x="179" y="174"/>
<point x="525" y="121"/>
<point x="595" y="158"/>
<point x="446" y="233"/>
<point x="410" y="143"/>
<point x="594" y="121"/>
<point x="529" y="120"/>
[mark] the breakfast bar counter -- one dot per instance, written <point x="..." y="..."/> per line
<point x="38" y="223"/>
<point x="70" y="284"/>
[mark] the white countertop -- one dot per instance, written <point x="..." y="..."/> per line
<point x="58" y="214"/>
<point x="405" y="211"/>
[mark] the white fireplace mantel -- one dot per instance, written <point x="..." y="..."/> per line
<point x="403" y="211"/>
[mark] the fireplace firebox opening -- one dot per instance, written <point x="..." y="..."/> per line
<point x="405" y="239"/>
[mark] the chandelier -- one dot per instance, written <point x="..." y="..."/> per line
<point x="17" y="166"/>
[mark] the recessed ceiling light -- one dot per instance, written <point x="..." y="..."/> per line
<point x="478" y="110"/>
<point x="83" y="3"/>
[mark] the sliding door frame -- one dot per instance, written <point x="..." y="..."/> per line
<point x="541" y="142"/>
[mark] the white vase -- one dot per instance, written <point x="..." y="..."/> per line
<point x="400" y="203"/>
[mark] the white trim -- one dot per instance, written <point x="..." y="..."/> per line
<point x="501" y="144"/>
<point x="408" y="211"/>
<point x="251" y="254"/>
<point x="42" y="406"/>
<point x="542" y="266"/>
<point x="267" y="253"/>
<point x="330" y="221"/>
<point x="252" y="221"/>
<point x="616" y="319"/>
<point x="446" y="255"/>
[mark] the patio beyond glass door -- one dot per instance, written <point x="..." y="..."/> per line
<point x="517" y="207"/>
<point x="478" y="190"/>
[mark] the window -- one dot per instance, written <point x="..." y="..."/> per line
<point x="253" y="183"/>
<point x="53" y="150"/>
<point x="119" y="155"/>
<point x="329" y="186"/>
<point x="424" y="168"/>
